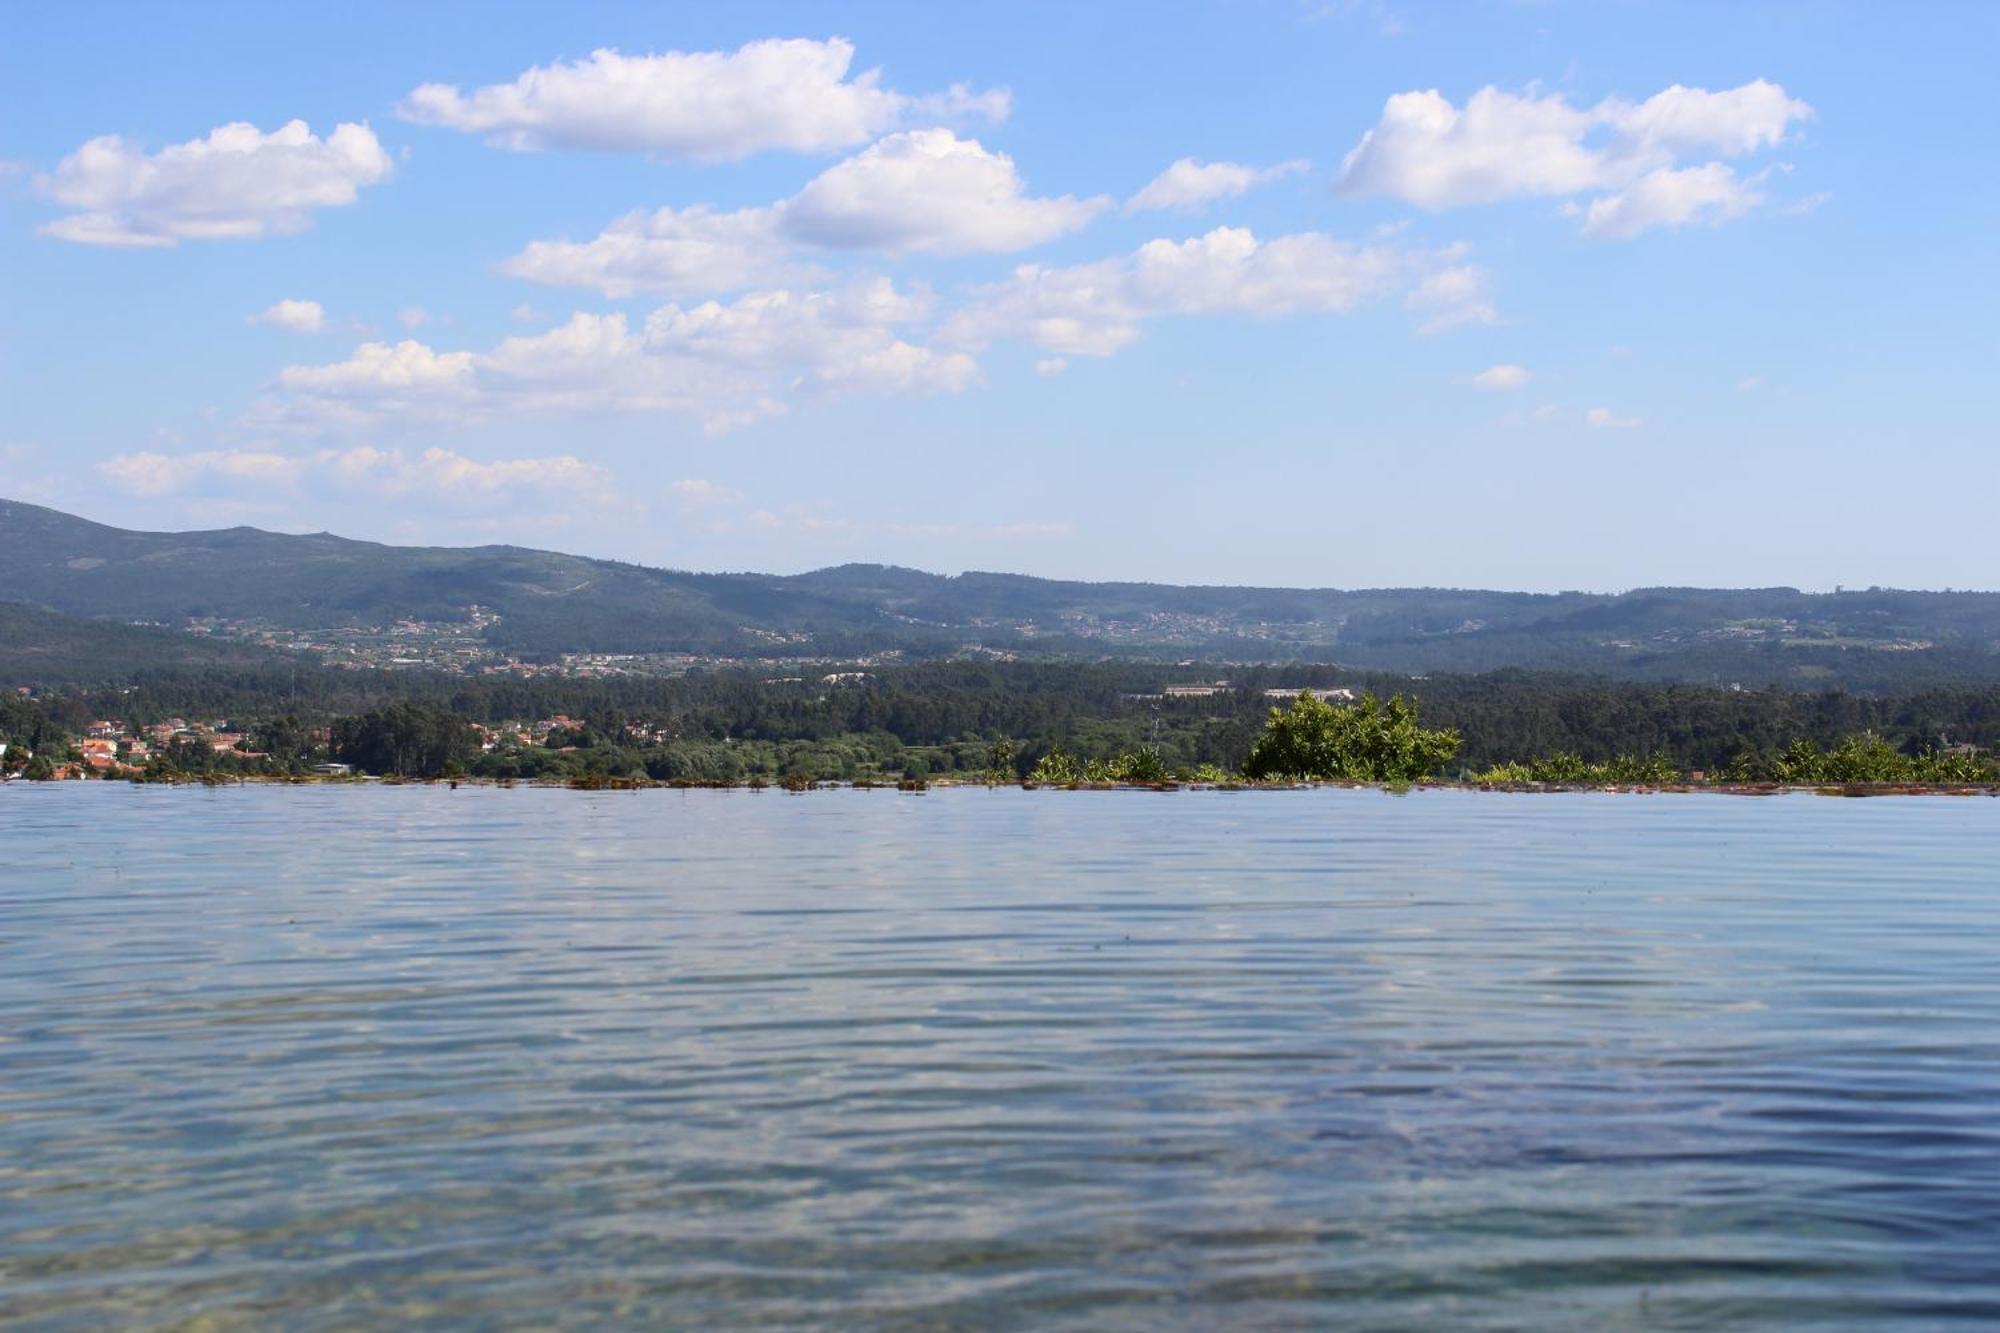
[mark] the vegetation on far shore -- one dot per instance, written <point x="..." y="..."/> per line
<point x="1313" y="740"/>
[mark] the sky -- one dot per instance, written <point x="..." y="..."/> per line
<point x="1591" y="294"/>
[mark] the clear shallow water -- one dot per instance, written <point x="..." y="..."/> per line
<point x="348" y="1057"/>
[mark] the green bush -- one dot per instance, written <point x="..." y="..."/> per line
<point x="1368" y="741"/>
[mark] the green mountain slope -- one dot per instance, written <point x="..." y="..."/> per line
<point x="47" y="648"/>
<point x="545" y="601"/>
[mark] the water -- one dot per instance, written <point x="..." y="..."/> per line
<point x="361" y="1057"/>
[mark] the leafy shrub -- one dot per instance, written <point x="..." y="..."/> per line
<point x="1368" y="741"/>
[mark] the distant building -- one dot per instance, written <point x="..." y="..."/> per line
<point x="1292" y="692"/>
<point x="1195" y="691"/>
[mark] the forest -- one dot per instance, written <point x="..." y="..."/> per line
<point x="941" y="719"/>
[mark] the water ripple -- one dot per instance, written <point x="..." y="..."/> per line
<point x="336" y="1057"/>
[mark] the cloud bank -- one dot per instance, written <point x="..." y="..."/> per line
<point x="1500" y="145"/>
<point x="238" y="183"/>
<point x="789" y="94"/>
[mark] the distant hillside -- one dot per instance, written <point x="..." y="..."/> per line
<point x="47" y="648"/>
<point x="548" y="602"/>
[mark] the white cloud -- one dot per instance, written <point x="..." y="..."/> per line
<point x="1603" y="418"/>
<point x="413" y="316"/>
<point x="1189" y="184"/>
<point x="148" y="473"/>
<point x="707" y="106"/>
<point x="927" y="191"/>
<point x="1503" y="145"/>
<point x="407" y="371"/>
<point x="673" y="251"/>
<point x="236" y="184"/>
<point x="1667" y="198"/>
<point x="1749" y="383"/>
<point x="1503" y="377"/>
<point x="694" y="491"/>
<point x="1095" y="309"/>
<point x="292" y="316"/>
<point x="725" y="365"/>
<point x="1451" y="298"/>
<point x="1733" y="122"/>
<point x="392" y="474"/>
<point x="1051" y="365"/>
<point x="358" y="473"/>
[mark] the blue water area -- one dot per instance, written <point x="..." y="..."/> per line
<point x="364" y="1057"/>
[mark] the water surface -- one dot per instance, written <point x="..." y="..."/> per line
<point x="344" y="1057"/>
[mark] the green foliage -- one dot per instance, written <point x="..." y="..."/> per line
<point x="1861" y="758"/>
<point x="404" y="740"/>
<point x="1000" y="762"/>
<point x="1207" y="774"/>
<point x="1057" y="768"/>
<point x="1564" y="768"/>
<point x="285" y="739"/>
<point x="1143" y="765"/>
<point x="1365" y="742"/>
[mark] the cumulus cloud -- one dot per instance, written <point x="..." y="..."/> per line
<point x="933" y="192"/>
<point x="361" y="472"/>
<point x="403" y="374"/>
<point x="672" y="251"/>
<point x="1667" y="198"/>
<point x="292" y="316"/>
<point x="1452" y="297"/>
<point x="150" y="474"/>
<point x="1503" y="377"/>
<point x="237" y="184"/>
<point x="1189" y="184"/>
<point x="1097" y="308"/>
<point x="1603" y="418"/>
<point x="791" y="94"/>
<point x="927" y="191"/>
<point x="1502" y="145"/>
<point x="393" y="474"/>
<point x="723" y="364"/>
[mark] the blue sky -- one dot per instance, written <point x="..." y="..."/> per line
<point x="1526" y="295"/>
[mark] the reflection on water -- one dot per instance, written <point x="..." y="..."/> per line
<point x="349" y="1057"/>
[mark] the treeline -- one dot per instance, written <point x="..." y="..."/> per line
<point x="941" y="718"/>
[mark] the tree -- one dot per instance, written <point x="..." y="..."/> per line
<point x="1368" y="741"/>
<point x="405" y="739"/>
<point x="1000" y="761"/>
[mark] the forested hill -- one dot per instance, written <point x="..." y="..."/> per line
<point x="43" y="647"/>
<point x="542" y="601"/>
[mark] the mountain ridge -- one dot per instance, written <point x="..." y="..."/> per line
<point x="539" y="601"/>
